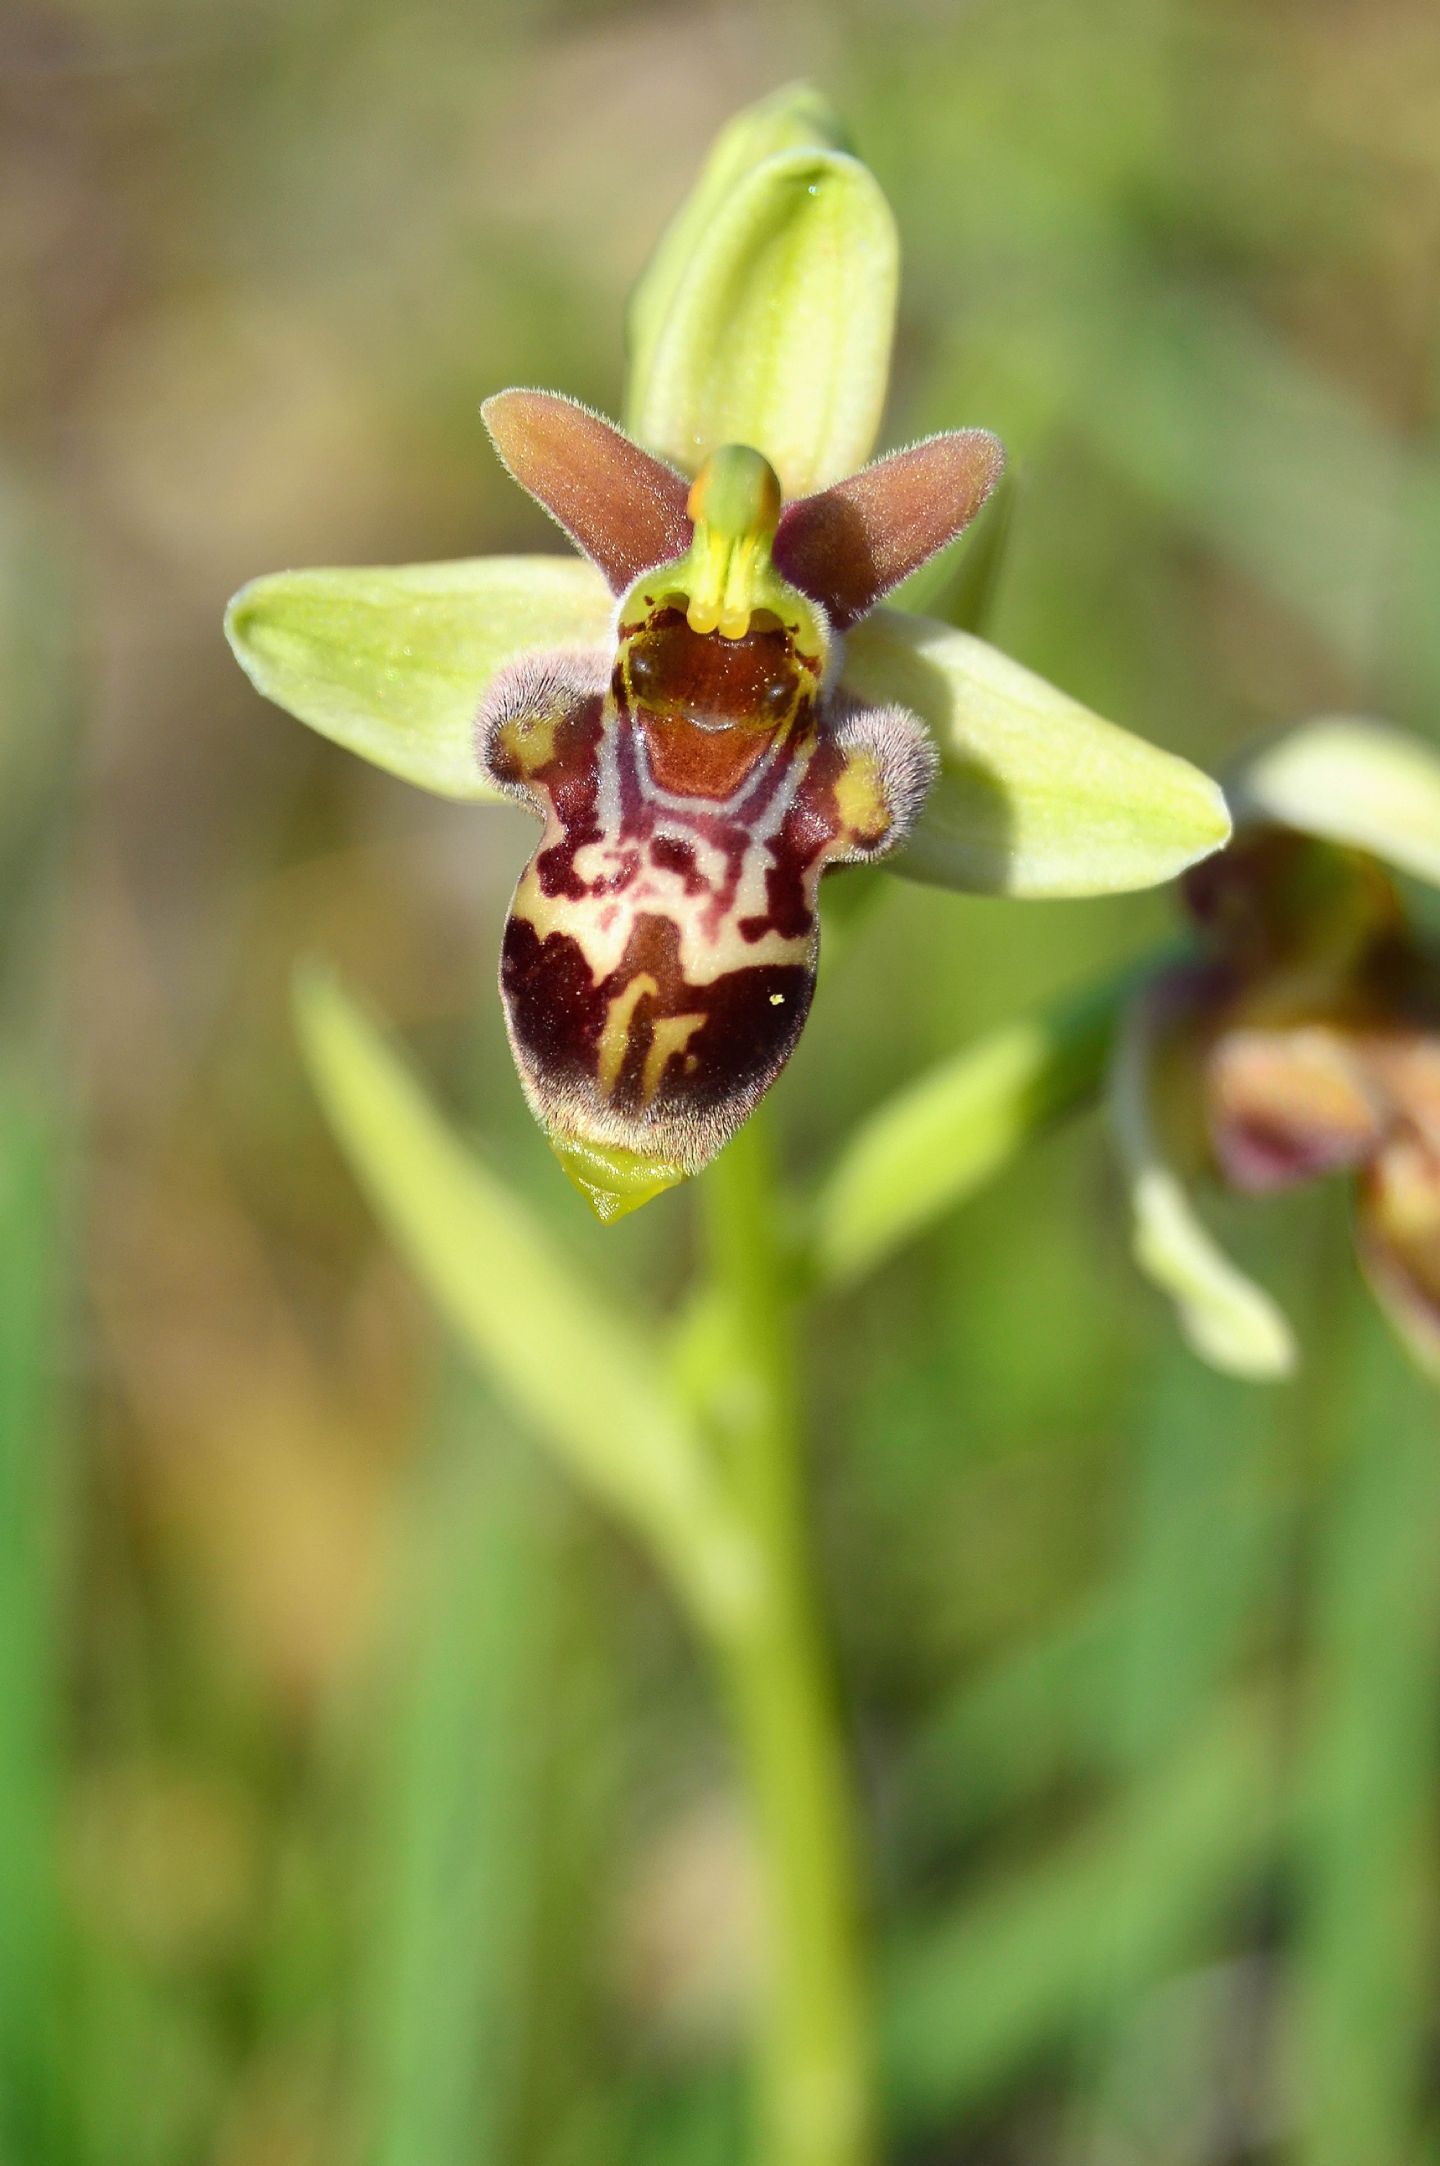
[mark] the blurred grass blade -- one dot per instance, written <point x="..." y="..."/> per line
<point x="33" y="2067"/>
<point x="391" y="662"/>
<point x="572" y="1364"/>
<point x="1205" y="412"/>
<point x="1202" y="1546"/>
<point x="1204" y="1551"/>
<point x="983" y="1994"/>
<point x="1036" y="795"/>
<point x="1002" y="1740"/>
<point x="1362" y="1994"/>
<point x="937" y="1140"/>
<point x="1084" y="1699"/>
<point x="454" y="1894"/>
<point x="776" y="333"/>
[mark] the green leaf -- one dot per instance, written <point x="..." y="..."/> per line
<point x="1226" y="1318"/>
<point x="773" y="328"/>
<point x="575" y="1367"/>
<point x="391" y="662"/>
<point x="1036" y="795"/>
<point x="1350" y="781"/>
<point x="942" y="1137"/>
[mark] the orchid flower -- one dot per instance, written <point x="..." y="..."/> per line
<point x="1300" y="1038"/>
<point x="709" y="709"/>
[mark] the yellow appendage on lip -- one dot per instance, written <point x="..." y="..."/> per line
<point x="612" y="1180"/>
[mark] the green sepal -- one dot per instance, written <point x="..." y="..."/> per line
<point x="1353" y="781"/>
<point x="1036" y="795"/>
<point x="796" y="117"/>
<point x="392" y="662"/>
<point x="768" y="315"/>
<point x="1225" y="1317"/>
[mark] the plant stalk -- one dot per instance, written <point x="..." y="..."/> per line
<point x="814" y="2068"/>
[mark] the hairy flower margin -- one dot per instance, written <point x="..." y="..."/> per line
<point x="710" y="709"/>
<point x="1300" y="1037"/>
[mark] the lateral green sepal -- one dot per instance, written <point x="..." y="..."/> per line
<point x="392" y="662"/>
<point x="1036" y="795"/>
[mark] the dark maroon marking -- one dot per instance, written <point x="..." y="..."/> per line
<point x="670" y="854"/>
<point x="772" y="776"/>
<point x="569" y="782"/>
<point x="556" y="1009"/>
<point x="557" y="1014"/>
<point x="637" y="813"/>
<point x="811" y="826"/>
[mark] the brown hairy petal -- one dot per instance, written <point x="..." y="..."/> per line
<point x="1290" y="1105"/>
<point x="848" y="545"/>
<point x="625" y="509"/>
<point x="1399" y="1239"/>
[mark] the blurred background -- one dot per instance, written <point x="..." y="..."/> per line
<point x="361" y="1801"/>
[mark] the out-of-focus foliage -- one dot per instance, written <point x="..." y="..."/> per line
<point x="360" y="1805"/>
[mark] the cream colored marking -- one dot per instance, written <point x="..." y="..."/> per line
<point x="615" y="1037"/>
<point x="777" y="1000"/>
<point x="671" y="1034"/>
<point x="704" y="955"/>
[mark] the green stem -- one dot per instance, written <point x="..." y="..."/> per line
<point x="814" y="2051"/>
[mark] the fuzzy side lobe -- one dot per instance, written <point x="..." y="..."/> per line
<point x="659" y="957"/>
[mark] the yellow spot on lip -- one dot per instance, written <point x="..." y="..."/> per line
<point x="777" y="1000"/>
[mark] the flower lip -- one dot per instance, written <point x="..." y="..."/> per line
<point x="748" y="679"/>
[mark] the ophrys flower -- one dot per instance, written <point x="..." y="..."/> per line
<point x="1301" y="1037"/>
<point x="696" y="775"/>
<point x="712" y="711"/>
